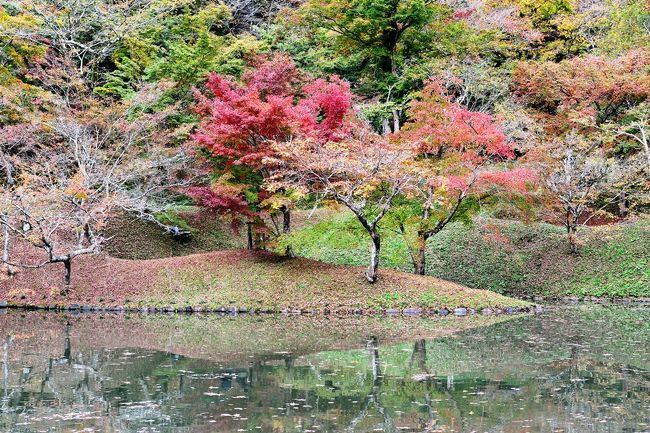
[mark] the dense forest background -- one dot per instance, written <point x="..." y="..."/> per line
<point x="412" y="114"/>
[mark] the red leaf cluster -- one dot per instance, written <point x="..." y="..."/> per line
<point x="241" y="121"/>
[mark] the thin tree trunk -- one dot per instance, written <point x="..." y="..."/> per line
<point x="421" y="265"/>
<point x="67" y="276"/>
<point x="420" y="257"/>
<point x="386" y="126"/>
<point x="6" y="248"/>
<point x="249" y="235"/>
<point x="572" y="229"/>
<point x="622" y="205"/>
<point x="286" y="228"/>
<point x="286" y="219"/>
<point x="8" y="170"/>
<point x="373" y="267"/>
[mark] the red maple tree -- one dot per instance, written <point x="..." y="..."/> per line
<point x="240" y="121"/>
<point x="459" y="157"/>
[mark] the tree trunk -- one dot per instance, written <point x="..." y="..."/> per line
<point x="373" y="267"/>
<point x="386" y="126"/>
<point x="622" y="205"/>
<point x="286" y="228"/>
<point x="421" y="257"/>
<point x="286" y="219"/>
<point x="572" y="233"/>
<point x="8" y="170"/>
<point x="67" y="276"/>
<point x="6" y="249"/>
<point x="396" y="123"/>
<point x="249" y="235"/>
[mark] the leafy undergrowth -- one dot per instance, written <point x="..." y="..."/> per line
<point x="506" y="257"/>
<point x="255" y="280"/>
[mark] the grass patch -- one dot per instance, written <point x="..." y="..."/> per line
<point x="266" y="281"/>
<point x="140" y="240"/>
<point x="503" y="256"/>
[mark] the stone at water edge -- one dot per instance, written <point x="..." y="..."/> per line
<point x="460" y="311"/>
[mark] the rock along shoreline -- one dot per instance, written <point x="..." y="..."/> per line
<point x="234" y="311"/>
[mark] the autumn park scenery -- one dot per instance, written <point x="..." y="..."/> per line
<point x="325" y="215"/>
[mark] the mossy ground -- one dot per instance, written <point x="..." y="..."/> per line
<point x="266" y="281"/>
<point x="503" y="256"/>
<point x="138" y="240"/>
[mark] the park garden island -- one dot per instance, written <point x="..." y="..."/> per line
<point x="325" y="216"/>
<point x="282" y="156"/>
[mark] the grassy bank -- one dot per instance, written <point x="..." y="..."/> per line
<point x="505" y="257"/>
<point x="138" y="240"/>
<point x="239" y="278"/>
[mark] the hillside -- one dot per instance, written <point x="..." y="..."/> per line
<point x="503" y="256"/>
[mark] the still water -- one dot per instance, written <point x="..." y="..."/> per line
<point x="571" y="369"/>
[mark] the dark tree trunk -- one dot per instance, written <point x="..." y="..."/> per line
<point x="249" y="235"/>
<point x="286" y="228"/>
<point x="572" y="233"/>
<point x="67" y="276"/>
<point x="373" y="267"/>
<point x="286" y="219"/>
<point x="421" y="263"/>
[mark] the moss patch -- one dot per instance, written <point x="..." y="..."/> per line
<point x="502" y="256"/>
<point x="139" y="240"/>
<point x="263" y="280"/>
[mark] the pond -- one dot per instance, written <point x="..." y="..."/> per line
<point x="570" y="369"/>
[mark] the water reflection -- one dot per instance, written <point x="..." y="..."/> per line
<point x="572" y="370"/>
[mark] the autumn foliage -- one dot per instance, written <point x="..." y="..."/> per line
<point x="240" y="123"/>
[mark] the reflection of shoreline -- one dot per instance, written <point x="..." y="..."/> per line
<point x="226" y="339"/>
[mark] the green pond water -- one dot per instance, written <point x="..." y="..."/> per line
<point x="570" y="369"/>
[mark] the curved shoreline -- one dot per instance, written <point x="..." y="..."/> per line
<point x="389" y="312"/>
<point x="234" y="311"/>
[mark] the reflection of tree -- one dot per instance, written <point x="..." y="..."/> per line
<point x="11" y="399"/>
<point x="419" y="356"/>
<point x="372" y="399"/>
<point x="355" y="391"/>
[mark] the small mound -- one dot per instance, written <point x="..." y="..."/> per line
<point x="251" y="279"/>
